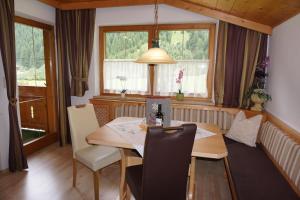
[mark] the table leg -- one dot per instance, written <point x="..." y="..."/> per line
<point x="192" y="182"/>
<point x="123" y="188"/>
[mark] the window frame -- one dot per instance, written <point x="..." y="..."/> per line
<point x="151" y="32"/>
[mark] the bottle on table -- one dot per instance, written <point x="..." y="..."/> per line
<point x="159" y="117"/>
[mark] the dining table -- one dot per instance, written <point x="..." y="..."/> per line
<point x="211" y="146"/>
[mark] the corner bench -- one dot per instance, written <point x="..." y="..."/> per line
<point x="253" y="172"/>
<point x="266" y="172"/>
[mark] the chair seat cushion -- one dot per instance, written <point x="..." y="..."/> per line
<point x="254" y="174"/>
<point x="96" y="157"/>
<point x="134" y="179"/>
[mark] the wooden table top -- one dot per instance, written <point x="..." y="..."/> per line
<point x="209" y="147"/>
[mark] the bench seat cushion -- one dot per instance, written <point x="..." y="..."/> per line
<point x="254" y="175"/>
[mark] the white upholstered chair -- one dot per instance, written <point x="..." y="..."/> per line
<point x="83" y="121"/>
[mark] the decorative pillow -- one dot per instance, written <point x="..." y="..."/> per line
<point x="245" y="130"/>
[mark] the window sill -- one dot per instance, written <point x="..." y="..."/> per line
<point x="186" y="101"/>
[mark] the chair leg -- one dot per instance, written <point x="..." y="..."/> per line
<point x="96" y="184"/>
<point x="123" y="170"/>
<point x="191" y="194"/>
<point x="128" y="193"/>
<point x="74" y="172"/>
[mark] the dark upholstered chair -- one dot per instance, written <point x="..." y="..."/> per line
<point x="164" y="173"/>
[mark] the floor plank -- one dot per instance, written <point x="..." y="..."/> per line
<point x="50" y="178"/>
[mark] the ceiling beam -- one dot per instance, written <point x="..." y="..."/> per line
<point x="54" y="3"/>
<point x="220" y="15"/>
<point x="193" y="7"/>
<point x="70" y="5"/>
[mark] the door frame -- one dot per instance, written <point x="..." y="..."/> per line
<point x="51" y="89"/>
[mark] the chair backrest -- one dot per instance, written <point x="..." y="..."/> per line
<point x="167" y="155"/>
<point x="82" y="121"/>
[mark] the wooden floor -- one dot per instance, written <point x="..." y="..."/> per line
<point x="50" y="178"/>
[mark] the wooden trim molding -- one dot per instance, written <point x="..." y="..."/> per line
<point x="33" y="23"/>
<point x="193" y="7"/>
<point x="284" y="127"/>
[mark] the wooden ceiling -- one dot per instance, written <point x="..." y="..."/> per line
<point x="260" y="15"/>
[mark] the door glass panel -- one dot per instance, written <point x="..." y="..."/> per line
<point x="30" y="56"/>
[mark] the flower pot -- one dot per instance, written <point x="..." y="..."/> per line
<point x="257" y="102"/>
<point x="179" y="96"/>
<point x="123" y="94"/>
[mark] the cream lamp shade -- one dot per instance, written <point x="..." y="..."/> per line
<point x="155" y="56"/>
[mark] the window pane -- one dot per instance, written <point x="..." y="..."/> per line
<point x="30" y="56"/>
<point x="194" y="82"/>
<point x="185" y="44"/>
<point x="190" y="49"/>
<point x="119" y="70"/>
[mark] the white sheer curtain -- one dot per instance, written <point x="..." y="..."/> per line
<point x="194" y="82"/>
<point x="136" y="75"/>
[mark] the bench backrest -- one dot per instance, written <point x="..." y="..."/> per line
<point x="222" y="117"/>
<point x="284" y="151"/>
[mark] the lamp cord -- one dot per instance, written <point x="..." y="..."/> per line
<point x="156" y="20"/>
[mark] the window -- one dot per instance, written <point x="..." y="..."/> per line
<point x="120" y="72"/>
<point x="30" y="56"/>
<point x="191" y="45"/>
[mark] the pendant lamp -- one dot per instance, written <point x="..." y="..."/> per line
<point x="155" y="55"/>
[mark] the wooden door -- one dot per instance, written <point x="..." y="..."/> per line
<point x="36" y="78"/>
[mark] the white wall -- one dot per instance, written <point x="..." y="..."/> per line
<point x="35" y="10"/>
<point x="133" y="15"/>
<point x="284" y="72"/>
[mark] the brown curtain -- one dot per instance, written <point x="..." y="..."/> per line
<point x="220" y="63"/>
<point x="252" y="45"/>
<point x="263" y="49"/>
<point x="17" y="159"/>
<point x="234" y="64"/>
<point x="239" y="52"/>
<point x="75" y="34"/>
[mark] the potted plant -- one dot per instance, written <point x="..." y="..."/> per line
<point x="259" y="97"/>
<point x="123" y="83"/>
<point x="179" y="95"/>
<point x="257" y="93"/>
